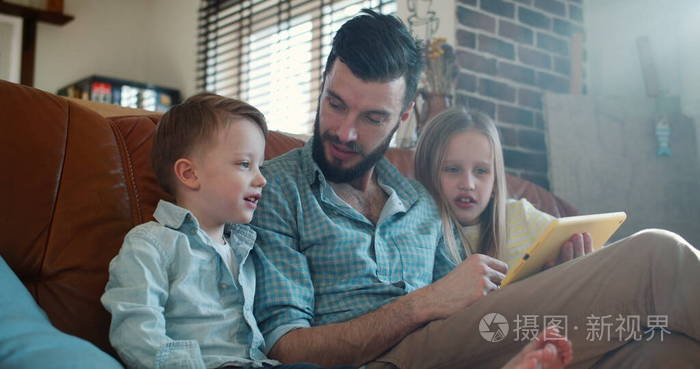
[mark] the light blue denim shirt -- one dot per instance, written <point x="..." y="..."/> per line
<point x="174" y="301"/>
<point x="319" y="261"/>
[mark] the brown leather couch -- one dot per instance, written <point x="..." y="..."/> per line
<point x="74" y="182"/>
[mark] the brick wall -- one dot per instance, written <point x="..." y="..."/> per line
<point x="510" y="52"/>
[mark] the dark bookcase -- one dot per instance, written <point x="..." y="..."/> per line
<point x="123" y="92"/>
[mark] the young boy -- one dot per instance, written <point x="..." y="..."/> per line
<point x="181" y="288"/>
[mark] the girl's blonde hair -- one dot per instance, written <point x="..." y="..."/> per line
<point x="430" y="154"/>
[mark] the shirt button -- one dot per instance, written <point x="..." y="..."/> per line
<point x="223" y="286"/>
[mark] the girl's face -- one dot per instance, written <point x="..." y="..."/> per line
<point x="467" y="175"/>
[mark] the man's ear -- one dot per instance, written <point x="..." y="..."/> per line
<point x="186" y="174"/>
<point x="406" y="114"/>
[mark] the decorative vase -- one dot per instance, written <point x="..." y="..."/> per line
<point x="433" y="104"/>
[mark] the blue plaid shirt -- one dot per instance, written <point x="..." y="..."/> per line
<point x="319" y="261"/>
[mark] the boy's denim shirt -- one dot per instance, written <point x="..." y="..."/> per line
<point x="174" y="301"/>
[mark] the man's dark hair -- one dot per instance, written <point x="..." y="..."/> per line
<point x="378" y="48"/>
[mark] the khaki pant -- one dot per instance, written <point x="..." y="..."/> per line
<point x="648" y="277"/>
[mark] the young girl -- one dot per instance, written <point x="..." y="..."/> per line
<point x="459" y="160"/>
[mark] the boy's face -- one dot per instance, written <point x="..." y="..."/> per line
<point x="228" y="172"/>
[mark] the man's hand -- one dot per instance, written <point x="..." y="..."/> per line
<point x="473" y="279"/>
<point x="579" y="244"/>
<point x="362" y="339"/>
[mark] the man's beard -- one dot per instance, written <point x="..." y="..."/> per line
<point x="337" y="174"/>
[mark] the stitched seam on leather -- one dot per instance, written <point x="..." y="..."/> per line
<point x="128" y="171"/>
<point x="133" y="190"/>
<point x="55" y="201"/>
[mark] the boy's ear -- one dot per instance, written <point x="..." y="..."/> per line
<point x="186" y="174"/>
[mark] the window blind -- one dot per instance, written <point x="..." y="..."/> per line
<point x="271" y="53"/>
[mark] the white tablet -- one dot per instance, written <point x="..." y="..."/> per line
<point x="558" y="231"/>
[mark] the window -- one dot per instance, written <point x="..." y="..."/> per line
<point x="271" y="53"/>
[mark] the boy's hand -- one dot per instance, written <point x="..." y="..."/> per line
<point x="580" y="244"/>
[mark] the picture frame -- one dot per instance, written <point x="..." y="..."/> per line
<point x="10" y="48"/>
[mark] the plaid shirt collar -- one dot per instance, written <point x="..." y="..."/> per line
<point x="387" y="175"/>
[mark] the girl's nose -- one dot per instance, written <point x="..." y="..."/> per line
<point x="467" y="183"/>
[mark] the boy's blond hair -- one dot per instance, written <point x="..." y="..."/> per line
<point x="193" y="123"/>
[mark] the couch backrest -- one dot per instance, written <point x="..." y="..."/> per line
<point x="66" y="205"/>
<point x="74" y="184"/>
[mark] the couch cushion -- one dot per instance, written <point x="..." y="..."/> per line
<point x="28" y="340"/>
<point x="134" y="136"/>
<point x="278" y="143"/>
<point x="65" y="203"/>
<point x="542" y="199"/>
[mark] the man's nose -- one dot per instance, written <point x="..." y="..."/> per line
<point x="347" y="132"/>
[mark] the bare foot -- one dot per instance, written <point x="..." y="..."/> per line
<point x="549" y="350"/>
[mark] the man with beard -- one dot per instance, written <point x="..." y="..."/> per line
<point x="340" y="231"/>
<point x="350" y="263"/>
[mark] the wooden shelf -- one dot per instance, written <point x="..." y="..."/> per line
<point x="31" y="17"/>
<point x="33" y="13"/>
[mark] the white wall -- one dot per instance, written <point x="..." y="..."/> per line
<point x="151" y="41"/>
<point x="174" y="44"/>
<point x="603" y="146"/>
<point x="689" y="54"/>
<point x="603" y="152"/>
<point x="673" y="29"/>
<point x="444" y="10"/>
